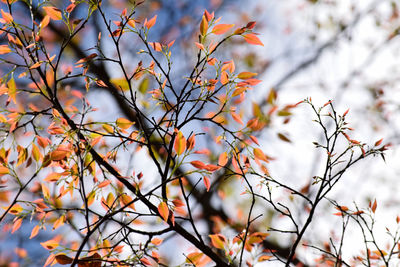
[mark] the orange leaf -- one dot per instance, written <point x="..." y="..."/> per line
<point x="246" y="75"/>
<point x="211" y="167"/>
<point x="126" y="200"/>
<point x="4" y="170"/>
<point x="224" y="78"/>
<point x="374" y="206"/>
<point x="150" y="23"/>
<point x="198" y="164"/>
<point x="156" y="241"/>
<point x="163" y="210"/>
<point x="146" y="261"/>
<point x="236" y="117"/>
<point x="221" y="28"/>
<point x="264" y="258"/>
<point x="50" y="244"/>
<point x="6" y="16"/>
<point x="251" y="38"/>
<point x="223" y="159"/>
<point x="258" y="154"/>
<point x="53" y="12"/>
<point x="207" y="184"/>
<point x="45" y="191"/>
<point x="36" y="65"/>
<point x="199" y="46"/>
<point x="34" y="232"/>
<point x="156" y="46"/>
<point x="104" y="183"/>
<point x="180" y="143"/>
<point x="16" y="225"/>
<point x="4" y="49"/>
<point x="217" y="241"/>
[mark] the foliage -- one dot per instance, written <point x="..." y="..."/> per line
<point x="127" y="184"/>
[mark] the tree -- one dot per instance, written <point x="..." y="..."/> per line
<point x="161" y="169"/>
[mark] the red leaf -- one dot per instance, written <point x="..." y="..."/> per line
<point x="251" y="38"/>
<point x="251" y="25"/>
<point x="377" y="143"/>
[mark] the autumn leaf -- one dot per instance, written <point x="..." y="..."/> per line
<point x="12" y="89"/>
<point x="251" y="38"/>
<point x="203" y="26"/>
<point x="163" y="210"/>
<point x="63" y="259"/>
<point x="223" y="159"/>
<point x="224" y="78"/>
<point x="156" y="241"/>
<point x="5" y="49"/>
<point x="4" y="170"/>
<point x="180" y="143"/>
<point x="218" y="241"/>
<point x="6" y="16"/>
<point x="207" y="183"/>
<point x="53" y="12"/>
<point x="124" y="123"/>
<point x="221" y="28"/>
<point x="259" y="154"/>
<point x="198" y="164"/>
<point x="50" y="244"/>
<point x="16" y="225"/>
<point x="34" y="232"/>
<point x="246" y="75"/>
<point x="150" y="23"/>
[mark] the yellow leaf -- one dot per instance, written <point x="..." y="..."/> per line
<point x="246" y="75"/>
<point x="108" y="128"/>
<point x="144" y="85"/>
<point x="12" y="89"/>
<point x="124" y="123"/>
<point x="15" y="209"/>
